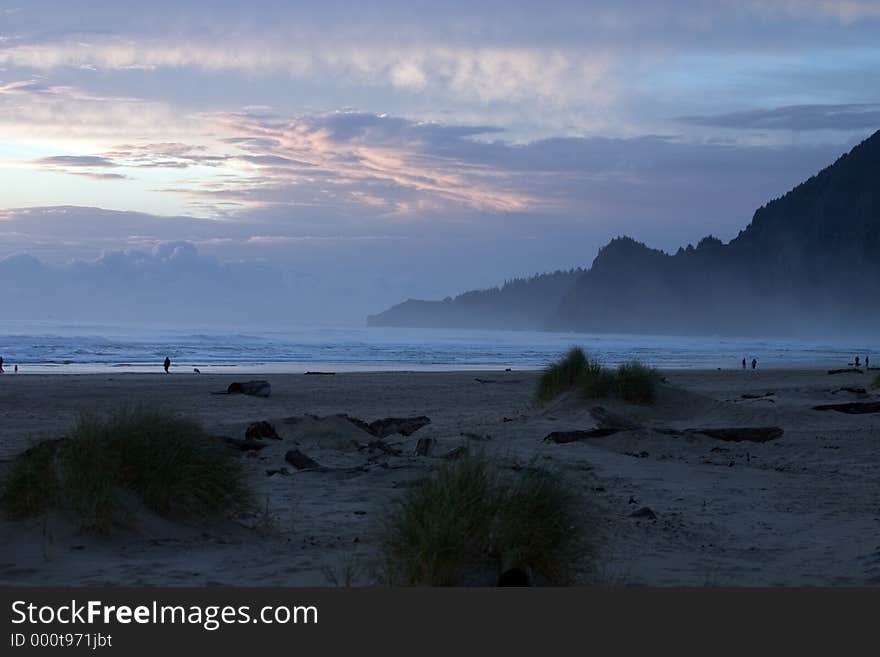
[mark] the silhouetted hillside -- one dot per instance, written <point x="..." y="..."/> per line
<point x="808" y="263"/>
<point x="522" y="303"/>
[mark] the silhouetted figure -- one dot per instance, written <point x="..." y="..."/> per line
<point x="15" y="369"/>
<point x="1" y="364"/>
<point x="754" y="363"/>
<point x="858" y="361"/>
<point x="867" y="363"/>
<point x="197" y="370"/>
<point x="744" y="363"/>
<point x="167" y="364"/>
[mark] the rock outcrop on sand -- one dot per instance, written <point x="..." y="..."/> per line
<point x="261" y="429"/>
<point x="253" y="388"/>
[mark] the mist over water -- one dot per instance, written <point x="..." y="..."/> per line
<point x="47" y="347"/>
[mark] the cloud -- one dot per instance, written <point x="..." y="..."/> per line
<point x="76" y="161"/>
<point x="488" y="73"/>
<point x="843" y="11"/>
<point x="853" y="116"/>
<point x="357" y="167"/>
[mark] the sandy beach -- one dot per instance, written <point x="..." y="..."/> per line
<point x="803" y="509"/>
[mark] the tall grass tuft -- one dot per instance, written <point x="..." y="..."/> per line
<point x="468" y="516"/>
<point x="632" y="381"/>
<point x="31" y="485"/>
<point x="636" y="382"/>
<point x="144" y="455"/>
<point x="441" y="526"/>
<point x="563" y="375"/>
<point x="574" y="370"/>
<point x="542" y="527"/>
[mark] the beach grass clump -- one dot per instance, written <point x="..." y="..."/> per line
<point x="107" y="465"/>
<point x="636" y="382"/>
<point x="632" y="381"/>
<point x="30" y="486"/>
<point x="563" y="375"/>
<point x="441" y="526"/>
<point x="542" y="527"/>
<point x="574" y="370"/>
<point x="468" y="517"/>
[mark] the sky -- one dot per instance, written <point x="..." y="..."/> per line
<point x="338" y="157"/>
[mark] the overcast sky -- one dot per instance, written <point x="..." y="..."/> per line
<point x="363" y="153"/>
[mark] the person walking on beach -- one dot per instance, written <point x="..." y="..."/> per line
<point x="744" y="363"/>
<point x="858" y="362"/>
<point x="1" y="364"/>
<point x="166" y="364"/>
<point x="754" y="363"/>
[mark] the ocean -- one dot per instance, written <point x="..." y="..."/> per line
<point x="57" y="347"/>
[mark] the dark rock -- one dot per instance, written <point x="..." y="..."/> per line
<point x="632" y="500"/>
<point x="261" y="429"/>
<point x="644" y="512"/>
<point x="475" y="436"/>
<point x="300" y="461"/>
<point x="755" y="396"/>
<point x="252" y="388"/>
<point x="854" y="370"/>
<point x="425" y="446"/>
<point x="320" y="373"/>
<point x="853" y="408"/>
<point x="405" y="426"/>
<point x="562" y="437"/>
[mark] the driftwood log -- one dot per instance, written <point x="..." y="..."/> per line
<point x="562" y="437"/>
<point x="853" y="408"/>
<point x="850" y="389"/>
<point x="741" y="434"/>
